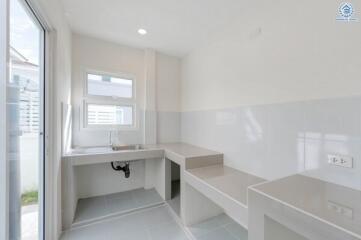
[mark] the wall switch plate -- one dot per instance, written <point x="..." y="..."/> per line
<point x="339" y="160"/>
<point x="340" y="209"/>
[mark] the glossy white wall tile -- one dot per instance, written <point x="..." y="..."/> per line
<point x="86" y="137"/>
<point x="168" y="127"/>
<point x="277" y="140"/>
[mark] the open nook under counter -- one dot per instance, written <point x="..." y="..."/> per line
<point x="216" y="189"/>
<point x="88" y="167"/>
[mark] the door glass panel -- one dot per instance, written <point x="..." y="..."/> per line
<point x="25" y="123"/>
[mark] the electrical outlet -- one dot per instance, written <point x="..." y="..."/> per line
<point x="342" y="161"/>
<point x="340" y="209"/>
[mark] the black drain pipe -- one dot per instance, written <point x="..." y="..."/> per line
<point x="124" y="168"/>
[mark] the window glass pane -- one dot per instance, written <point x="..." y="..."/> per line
<point x="110" y="115"/>
<point x="25" y="106"/>
<point x="104" y="85"/>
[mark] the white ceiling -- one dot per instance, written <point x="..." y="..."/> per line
<point x="175" y="27"/>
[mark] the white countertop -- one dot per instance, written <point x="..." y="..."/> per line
<point x="333" y="204"/>
<point x="229" y="181"/>
<point x="180" y="152"/>
<point x="185" y="150"/>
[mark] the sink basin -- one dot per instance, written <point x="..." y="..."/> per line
<point x="91" y="150"/>
<point x="106" y="149"/>
<point x="127" y="147"/>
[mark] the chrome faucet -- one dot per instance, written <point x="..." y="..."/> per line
<point x="111" y="138"/>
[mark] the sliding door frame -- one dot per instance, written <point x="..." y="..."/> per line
<point x="4" y="74"/>
<point x="42" y="117"/>
<point x="49" y="200"/>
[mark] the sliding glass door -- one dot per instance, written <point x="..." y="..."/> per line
<point x="4" y="7"/>
<point x="25" y="123"/>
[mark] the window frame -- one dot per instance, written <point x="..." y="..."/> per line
<point x="108" y="100"/>
<point x="116" y="75"/>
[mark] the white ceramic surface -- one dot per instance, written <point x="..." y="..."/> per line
<point x="310" y="207"/>
<point x="155" y="223"/>
<point x="226" y="180"/>
<point x="277" y="140"/>
<point x="223" y="186"/>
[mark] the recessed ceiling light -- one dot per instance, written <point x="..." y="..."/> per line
<point x="142" y="31"/>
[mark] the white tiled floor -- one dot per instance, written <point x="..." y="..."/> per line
<point x="157" y="224"/>
<point x="97" y="207"/>
<point x="151" y="224"/>
<point x="218" y="228"/>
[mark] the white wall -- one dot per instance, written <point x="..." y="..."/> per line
<point x="276" y="52"/>
<point x="168" y="98"/>
<point x="94" y="54"/>
<point x="99" y="55"/>
<point x="250" y="91"/>
<point x="168" y="83"/>
<point x="277" y="140"/>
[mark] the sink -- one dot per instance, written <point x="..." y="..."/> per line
<point x="105" y="154"/>
<point x="91" y="150"/>
<point x="106" y="149"/>
<point x="127" y="147"/>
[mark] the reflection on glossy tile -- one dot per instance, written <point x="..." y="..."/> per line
<point x="277" y="140"/>
<point x="101" y="138"/>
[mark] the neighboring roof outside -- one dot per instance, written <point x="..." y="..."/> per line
<point x="19" y="59"/>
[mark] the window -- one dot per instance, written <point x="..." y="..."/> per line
<point x="109" y="101"/>
<point x="109" y="86"/>
<point x="110" y="115"/>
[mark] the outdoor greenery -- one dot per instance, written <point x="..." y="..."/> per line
<point x="29" y="197"/>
